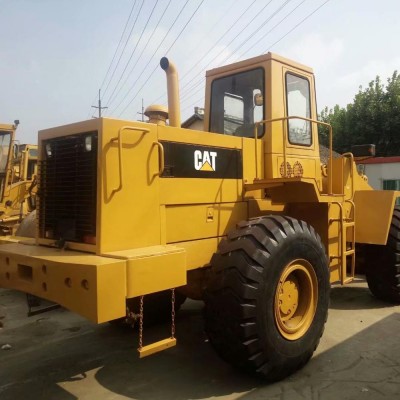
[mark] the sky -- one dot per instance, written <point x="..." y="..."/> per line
<point x="56" y="54"/>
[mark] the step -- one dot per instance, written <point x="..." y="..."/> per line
<point x="156" y="347"/>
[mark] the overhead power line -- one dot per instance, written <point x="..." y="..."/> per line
<point x="211" y="48"/>
<point x="123" y="50"/>
<point x="231" y="41"/>
<point x="119" y="43"/>
<point x="116" y="50"/>
<point x="170" y="47"/>
<point x="199" y="81"/>
<point x="166" y="53"/>
<point x="154" y="53"/>
<point x="272" y="29"/>
<point x="296" y="26"/>
<point x="133" y="52"/>
<point x="276" y="42"/>
<point x="251" y="35"/>
<point x="163" y="13"/>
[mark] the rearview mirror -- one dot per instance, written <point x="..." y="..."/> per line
<point x="258" y="99"/>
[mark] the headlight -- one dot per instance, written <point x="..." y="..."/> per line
<point x="48" y="149"/>
<point x="88" y="143"/>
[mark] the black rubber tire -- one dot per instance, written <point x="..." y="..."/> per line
<point x="156" y="308"/>
<point x="239" y="312"/>
<point x="382" y="264"/>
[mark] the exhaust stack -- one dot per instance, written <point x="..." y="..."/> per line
<point x="174" y="110"/>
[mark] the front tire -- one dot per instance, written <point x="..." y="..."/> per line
<point x="268" y="295"/>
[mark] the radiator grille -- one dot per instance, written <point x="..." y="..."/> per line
<point x="67" y="188"/>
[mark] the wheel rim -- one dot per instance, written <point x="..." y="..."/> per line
<point x="296" y="299"/>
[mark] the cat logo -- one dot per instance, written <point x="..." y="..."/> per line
<point x="205" y="160"/>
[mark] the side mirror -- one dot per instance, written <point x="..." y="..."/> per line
<point x="258" y="99"/>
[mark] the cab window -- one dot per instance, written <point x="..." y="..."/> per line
<point x="237" y="103"/>
<point x="5" y="143"/>
<point x="298" y="104"/>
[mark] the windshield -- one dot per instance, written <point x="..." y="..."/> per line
<point x="237" y="103"/>
<point x="5" y="141"/>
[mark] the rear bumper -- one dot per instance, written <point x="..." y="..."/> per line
<point x="95" y="287"/>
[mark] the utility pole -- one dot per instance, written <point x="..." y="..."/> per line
<point x="99" y="107"/>
<point x="142" y="113"/>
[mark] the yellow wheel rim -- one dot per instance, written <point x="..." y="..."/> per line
<point x="296" y="299"/>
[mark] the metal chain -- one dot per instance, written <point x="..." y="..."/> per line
<point x="173" y="313"/>
<point x="141" y="323"/>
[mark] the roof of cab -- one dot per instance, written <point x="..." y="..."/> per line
<point x="257" y="60"/>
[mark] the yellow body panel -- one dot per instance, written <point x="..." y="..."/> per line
<point x="374" y="214"/>
<point x="168" y="263"/>
<point x="190" y="222"/>
<point x="193" y="191"/>
<point x="199" y="252"/>
<point x="140" y="223"/>
<point x="90" y="285"/>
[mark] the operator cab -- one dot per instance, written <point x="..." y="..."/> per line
<point x="268" y="87"/>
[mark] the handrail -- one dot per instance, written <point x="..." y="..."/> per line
<point x="9" y="170"/>
<point x="8" y="181"/>
<point x="283" y="119"/>
<point x="161" y="158"/>
<point x="119" y="139"/>
<point x="353" y="238"/>
<point x="351" y="156"/>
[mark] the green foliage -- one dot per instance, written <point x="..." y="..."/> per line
<point x="373" y="117"/>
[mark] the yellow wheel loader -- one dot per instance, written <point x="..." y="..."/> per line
<point x="243" y="215"/>
<point x="18" y="168"/>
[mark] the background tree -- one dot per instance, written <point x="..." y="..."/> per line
<point x="372" y="117"/>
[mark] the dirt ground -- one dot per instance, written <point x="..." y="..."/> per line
<point x="59" y="355"/>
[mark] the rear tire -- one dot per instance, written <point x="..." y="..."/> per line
<point x="382" y="268"/>
<point x="268" y="295"/>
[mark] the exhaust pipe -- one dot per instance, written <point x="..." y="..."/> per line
<point x="174" y="111"/>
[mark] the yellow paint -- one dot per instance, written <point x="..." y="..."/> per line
<point x="92" y="286"/>
<point x="296" y="299"/>
<point x="191" y="222"/>
<point x="259" y="207"/>
<point x="156" y="347"/>
<point x="135" y="208"/>
<point x="204" y="191"/>
<point x="374" y="211"/>
<point x="170" y="270"/>
<point x="199" y="252"/>
<point x="168" y="263"/>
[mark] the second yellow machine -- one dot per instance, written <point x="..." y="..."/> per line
<point x="134" y="216"/>
<point x="18" y="169"/>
